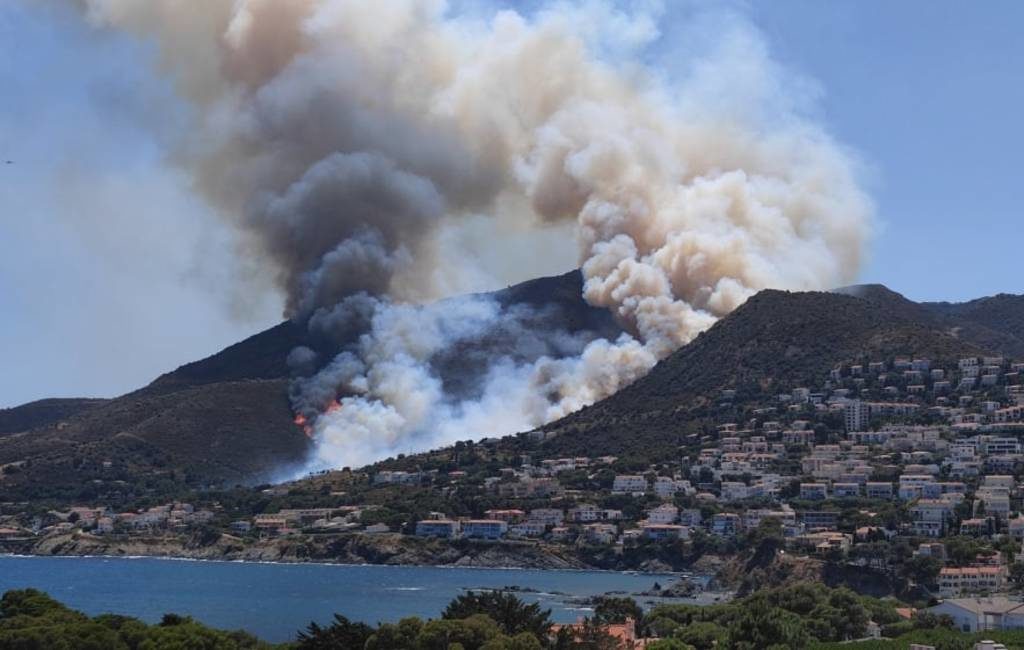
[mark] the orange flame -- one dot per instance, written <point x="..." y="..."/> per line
<point x="302" y="421"/>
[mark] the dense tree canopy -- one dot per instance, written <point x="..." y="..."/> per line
<point x="511" y="614"/>
<point x="31" y="620"/>
<point x="802" y="616"/>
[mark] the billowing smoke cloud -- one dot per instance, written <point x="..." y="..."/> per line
<point x="352" y="140"/>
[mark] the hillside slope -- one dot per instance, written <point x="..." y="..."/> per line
<point x="43" y="412"/>
<point x="227" y="418"/>
<point x="999" y="318"/>
<point x="776" y="341"/>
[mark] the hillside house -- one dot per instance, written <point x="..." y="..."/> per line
<point x="442" y="528"/>
<point x="813" y="491"/>
<point x="726" y="524"/>
<point x="629" y="484"/>
<point x="981" y="614"/>
<point x="484" y="528"/>
<point x="954" y="581"/>
<point x="663" y="514"/>
<point x="661" y="532"/>
<point x="600" y="533"/>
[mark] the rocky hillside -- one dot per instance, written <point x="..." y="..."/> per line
<point x="227" y="418"/>
<point x="43" y="412"/>
<point x="776" y="341"/>
<point x="1001" y="318"/>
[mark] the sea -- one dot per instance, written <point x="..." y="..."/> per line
<point x="274" y="601"/>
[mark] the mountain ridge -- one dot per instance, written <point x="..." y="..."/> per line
<point x="227" y="418"/>
<point x="778" y="340"/>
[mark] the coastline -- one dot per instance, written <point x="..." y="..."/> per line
<point x="344" y="550"/>
<point x="274" y="599"/>
<point x="322" y="563"/>
<point x="703" y="589"/>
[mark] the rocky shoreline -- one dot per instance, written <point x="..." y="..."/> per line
<point x="346" y="548"/>
<point x="383" y="549"/>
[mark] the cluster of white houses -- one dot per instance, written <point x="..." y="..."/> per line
<point x="104" y="521"/>
<point x="954" y="478"/>
<point x="954" y="475"/>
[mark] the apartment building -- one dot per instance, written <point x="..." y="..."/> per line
<point x="442" y="528"/>
<point x="956" y="581"/>
<point x="726" y="524"/>
<point x="484" y="528"/>
<point x="629" y="484"/>
<point x="813" y="491"/>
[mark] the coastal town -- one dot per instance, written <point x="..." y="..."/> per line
<point x="907" y="467"/>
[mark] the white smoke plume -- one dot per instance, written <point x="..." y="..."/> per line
<point x="353" y="141"/>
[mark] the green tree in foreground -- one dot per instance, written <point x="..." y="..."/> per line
<point x="31" y="620"/>
<point x="702" y="635"/>
<point x="669" y="644"/>
<point x="342" y="633"/>
<point x="800" y="616"/>
<point x="588" y="636"/>
<point x="610" y="609"/>
<point x="395" y="636"/>
<point x="762" y="627"/>
<point x="512" y="615"/>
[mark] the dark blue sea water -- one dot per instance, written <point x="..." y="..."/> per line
<point x="273" y="601"/>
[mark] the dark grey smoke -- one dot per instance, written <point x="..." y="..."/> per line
<point x="345" y="226"/>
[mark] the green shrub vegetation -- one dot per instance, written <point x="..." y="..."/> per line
<point x="806" y="616"/>
<point x="31" y="620"/>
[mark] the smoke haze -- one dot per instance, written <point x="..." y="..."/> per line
<point x="377" y="155"/>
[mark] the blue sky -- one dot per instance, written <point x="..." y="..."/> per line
<point x="97" y="297"/>
<point x="931" y="95"/>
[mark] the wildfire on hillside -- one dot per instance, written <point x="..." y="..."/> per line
<point x="307" y="426"/>
<point x="301" y="421"/>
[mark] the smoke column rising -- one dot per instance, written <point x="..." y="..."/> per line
<point x="356" y="143"/>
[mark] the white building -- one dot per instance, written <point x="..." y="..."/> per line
<point x="484" y="528"/>
<point x="734" y="491"/>
<point x="813" y="491"/>
<point x="930" y="516"/>
<point x="444" y="528"/>
<point x="1015" y="527"/>
<point x="663" y="514"/>
<point x="955" y="581"/>
<point x="845" y="490"/>
<point x="981" y="614"/>
<point x="857" y="416"/>
<point x="547" y="516"/>
<point x="585" y="512"/>
<point x="726" y="524"/>
<point x="527" y="529"/>
<point x="629" y="484"/>
<point x="878" y="490"/>
<point x="752" y="518"/>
